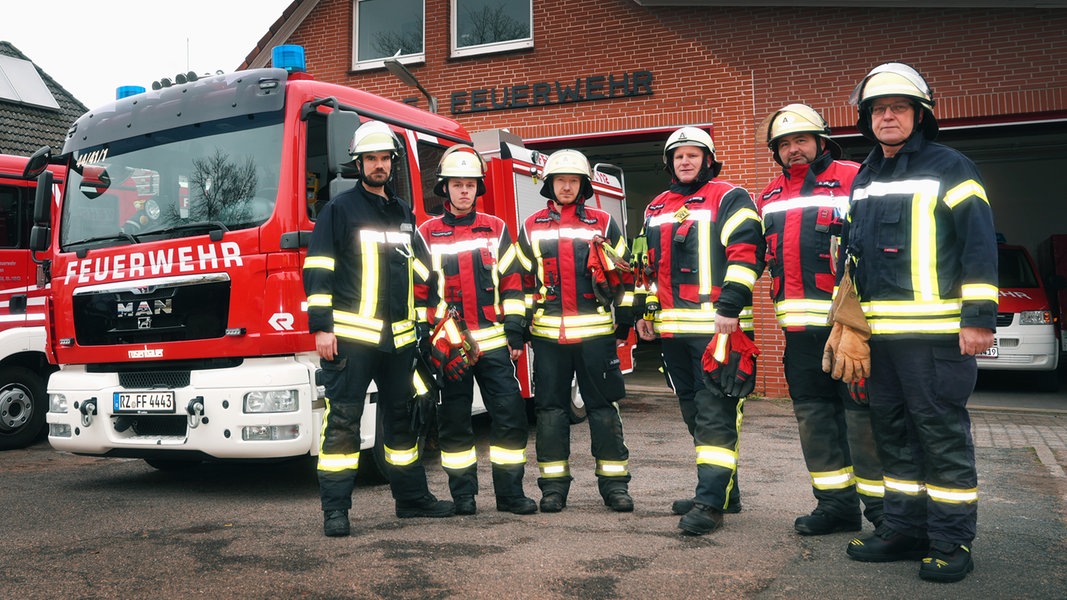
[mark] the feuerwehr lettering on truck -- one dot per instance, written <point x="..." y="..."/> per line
<point x="165" y="261"/>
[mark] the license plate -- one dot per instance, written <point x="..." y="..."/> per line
<point x="144" y="402"/>
<point x="992" y="352"/>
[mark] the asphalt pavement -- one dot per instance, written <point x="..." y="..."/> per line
<point x="83" y="527"/>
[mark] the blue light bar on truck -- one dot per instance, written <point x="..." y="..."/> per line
<point x="126" y="91"/>
<point x="289" y="57"/>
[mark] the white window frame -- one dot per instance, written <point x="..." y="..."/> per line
<point x="457" y="52"/>
<point x="378" y="63"/>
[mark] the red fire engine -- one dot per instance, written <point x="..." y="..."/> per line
<point x="24" y="368"/>
<point x="178" y="319"/>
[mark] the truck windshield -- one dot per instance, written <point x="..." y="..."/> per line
<point x="221" y="175"/>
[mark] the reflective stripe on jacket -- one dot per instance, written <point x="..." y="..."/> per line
<point x="553" y="250"/>
<point x="359" y="267"/>
<point x="802" y="209"/>
<point x="704" y="249"/>
<point x="920" y="230"/>
<point x="473" y="269"/>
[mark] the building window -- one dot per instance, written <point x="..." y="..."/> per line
<point x="484" y="26"/>
<point x="387" y="28"/>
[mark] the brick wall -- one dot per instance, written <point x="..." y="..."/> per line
<point x="729" y="67"/>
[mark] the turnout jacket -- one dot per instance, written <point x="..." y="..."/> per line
<point x="920" y="233"/>
<point x="802" y="210"/>
<point x="704" y="247"/>
<point x="359" y="267"/>
<point x="473" y="270"/>
<point x="553" y="250"/>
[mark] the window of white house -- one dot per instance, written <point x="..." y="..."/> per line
<point x="484" y="26"/>
<point x="386" y="28"/>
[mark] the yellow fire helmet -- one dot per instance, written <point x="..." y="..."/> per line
<point x="894" y="79"/>
<point x="793" y="119"/>
<point x="460" y="161"/>
<point x="567" y="162"/>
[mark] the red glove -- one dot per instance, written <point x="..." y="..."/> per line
<point x="447" y="356"/>
<point x="714" y="359"/>
<point x="736" y="375"/>
<point x="857" y="390"/>
<point x="739" y="376"/>
<point x="455" y="368"/>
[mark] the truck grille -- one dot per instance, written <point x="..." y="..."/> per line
<point x="1004" y="319"/>
<point x="177" y="309"/>
<point x="154" y="379"/>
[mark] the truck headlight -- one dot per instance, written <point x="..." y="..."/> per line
<point x="268" y="433"/>
<point x="273" y="401"/>
<point x="1035" y="317"/>
<point x="57" y="403"/>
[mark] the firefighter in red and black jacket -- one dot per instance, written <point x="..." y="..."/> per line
<point x="699" y="250"/>
<point x="573" y="330"/>
<point x="801" y="210"/>
<point x="474" y="276"/>
<point x="358" y="279"/>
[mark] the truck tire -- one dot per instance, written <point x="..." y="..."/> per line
<point x="23" y="405"/>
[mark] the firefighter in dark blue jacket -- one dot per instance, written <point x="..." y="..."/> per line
<point x="921" y="242"/>
<point x="358" y="279"/>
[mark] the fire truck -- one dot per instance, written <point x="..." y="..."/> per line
<point x="177" y="315"/>
<point x="24" y="368"/>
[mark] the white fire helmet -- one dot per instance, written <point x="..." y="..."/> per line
<point x="460" y="161"/>
<point x="793" y="119"/>
<point x="691" y="136"/>
<point x="894" y="79"/>
<point x="567" y="162"/>
<point x="374" y="136"/>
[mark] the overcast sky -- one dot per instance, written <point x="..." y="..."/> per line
<point x="92" y="47"/>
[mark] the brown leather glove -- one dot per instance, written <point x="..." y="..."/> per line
<point x="848" y="353"/>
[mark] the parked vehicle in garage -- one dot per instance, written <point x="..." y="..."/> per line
<point x="1027" y="330"/>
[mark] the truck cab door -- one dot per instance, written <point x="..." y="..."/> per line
<point x="18" y="272"/>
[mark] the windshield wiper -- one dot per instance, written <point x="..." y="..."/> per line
<point x="114" y="237"/>
<point x="217" y="228"/>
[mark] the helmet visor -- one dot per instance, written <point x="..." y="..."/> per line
<point x="900" y="69"/>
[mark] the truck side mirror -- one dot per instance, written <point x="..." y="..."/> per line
<point x="340" y="125"/>
<point x="42" y="201"/>
<point x="41" y="233"/>
<point x="37" y="162"/>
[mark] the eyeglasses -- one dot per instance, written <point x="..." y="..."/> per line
<point x="897" y="108"/>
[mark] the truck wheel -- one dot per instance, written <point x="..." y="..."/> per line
<point x="23" y="404"/>
<point x="171" y="464"/>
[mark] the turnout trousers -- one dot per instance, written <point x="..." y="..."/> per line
<point x="835" y="432"/>
<point x="508" y="433"/>
<point x="346" y="379"/>
<point x="713" y="420"/>
<point x="918" y="392"/>
<point x="595" y="364"/>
